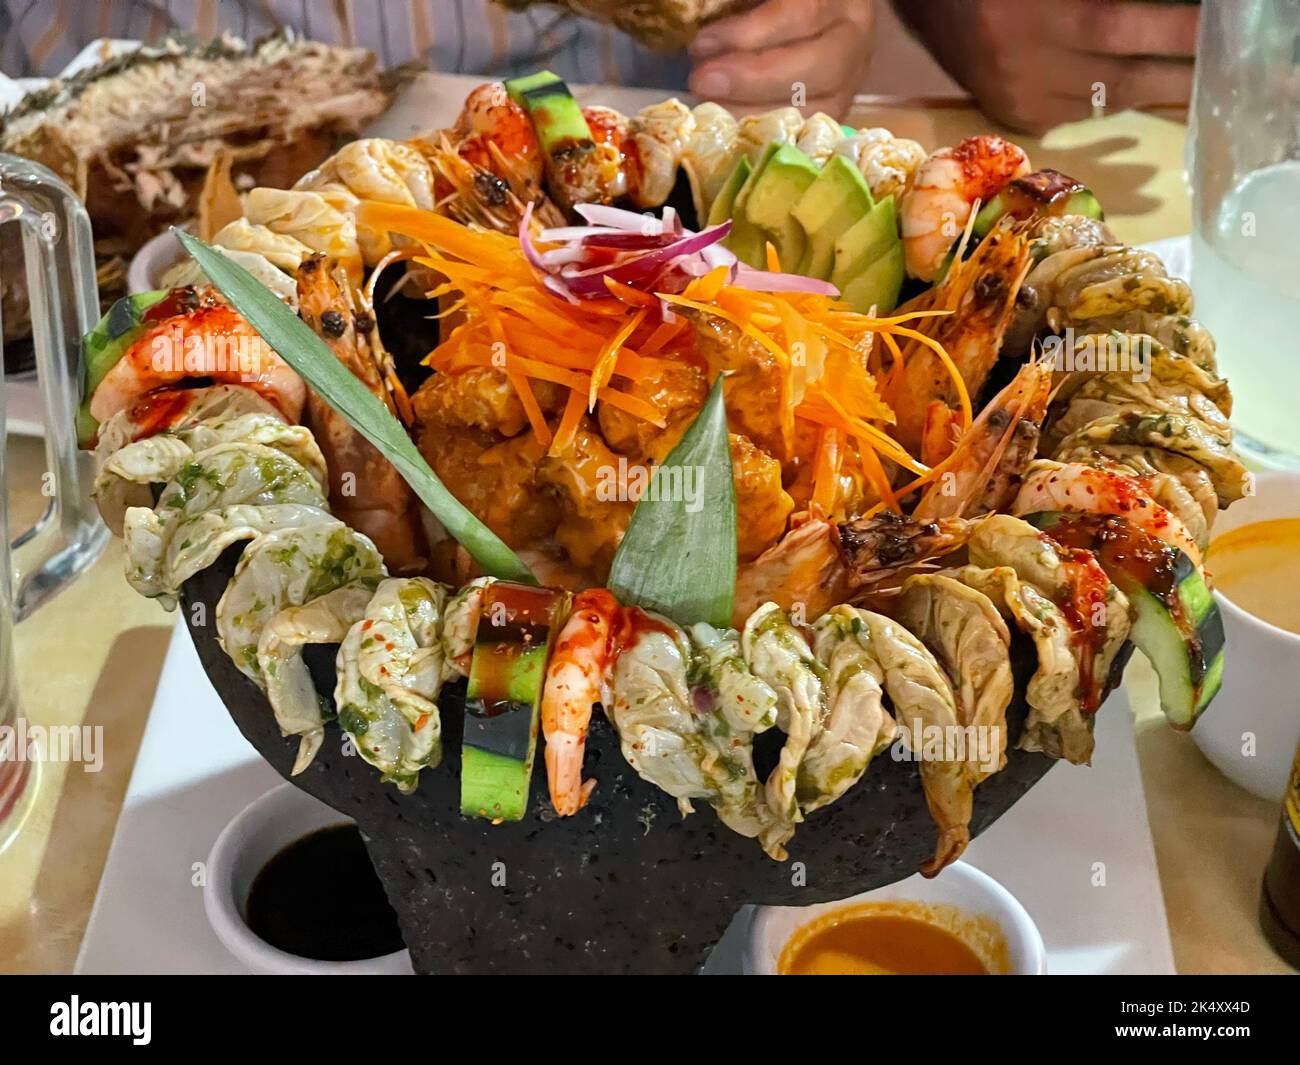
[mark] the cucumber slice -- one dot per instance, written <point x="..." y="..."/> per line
<point x="561" y="129"/>
<point x="1176" y="622"/>
<point x="1044" y="192"/>
<point x="516" y="627"/>
<point x="104" y="346"/>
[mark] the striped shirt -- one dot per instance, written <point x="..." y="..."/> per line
<point x="39" y="37"/>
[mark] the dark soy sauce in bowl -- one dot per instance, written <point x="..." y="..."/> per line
<point x="320" y="898"/>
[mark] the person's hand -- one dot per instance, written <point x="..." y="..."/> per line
<point x="810" y="53"/>
<point x="1033" y="65"/>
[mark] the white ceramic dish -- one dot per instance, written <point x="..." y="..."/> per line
<point x="1251" y="731"/>
<point x="154" y="256"/>
<point x="960" y="885"/>
<point x="255" y="835"/>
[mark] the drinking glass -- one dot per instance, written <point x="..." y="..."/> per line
<point x="59" y="267"/>
<point x="1244" y="164"/>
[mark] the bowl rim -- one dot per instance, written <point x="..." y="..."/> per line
<point x="1017" y="926"/>
<point x="225" y="914"/>
<point x="1239" y="613"/>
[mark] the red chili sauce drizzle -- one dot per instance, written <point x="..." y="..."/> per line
<point x="527" y="619"/>
<point x="1087" y="588"/>
<point x="1120" y="547"/>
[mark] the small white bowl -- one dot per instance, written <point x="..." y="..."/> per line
<point x="256" y="834"/>
<point x="960" y="885"/>
<point x="1251" y="729"/>
<point x="154" y="258"/>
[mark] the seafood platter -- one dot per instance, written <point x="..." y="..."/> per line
<point x="665" y="512"/>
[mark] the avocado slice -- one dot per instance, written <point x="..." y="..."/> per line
<point x="864" y="242"/>
<point x="104" y="345"/>
<point x="788" y="175"/>
<point x="879" y="284"/>
<point x="745" y="238"/>
<point x="726" y="198"/>
<point x="833" y="203"/>
<point x="1044" y="192"/>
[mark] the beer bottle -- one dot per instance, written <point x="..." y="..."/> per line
<point x="1279" y="906"/>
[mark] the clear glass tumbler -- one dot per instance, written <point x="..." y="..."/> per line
<point x="1244" y="164"/>
<point x="60" y="278"/>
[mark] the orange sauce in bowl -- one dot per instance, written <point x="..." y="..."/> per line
<point x="895" y="938"/>
<point x="1257" y="566"/>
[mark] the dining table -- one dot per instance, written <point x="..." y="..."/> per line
<point x="93" y="655"/>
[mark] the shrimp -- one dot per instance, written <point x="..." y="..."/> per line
<point x="937" y="206"/>
<point x="577" y="678"/>
<point x="802" y="570"/>
<point x="366" y="490"/>
<point x="979" y="295"/>
<point x="887" y="163"/>
<point x="212" y="342"/>
<point x="613" y="164"/>
<point x="494" y="133"/>
<point x="889" y="546"/>
<point x="1074" y="486"/>
<point x="660" y="133"/>
<point x="994" y="451"/>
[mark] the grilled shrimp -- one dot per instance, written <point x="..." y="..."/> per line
<point x="212" y="342"/>
<point x="1075" y="487"/>
<point x="887" y="546"/>
<point x="994" y="451"/>
<point x="937" y="206"/>
<point x="613" y="165"/>
<point x="366" y="490"/>
<point x="710" y="153"/>
<point x="802" y="569"/>
<point x="818" y="137"/>
<point x="980" y="294"/>
<point x="495" y="134"/>
<point x="756" y="132"/>
<point x="887" y="163"/>
<point x="660" y="133"/>
<point x="577" y="678"/>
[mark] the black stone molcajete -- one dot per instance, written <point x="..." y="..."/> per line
<point x="627" y="885"/>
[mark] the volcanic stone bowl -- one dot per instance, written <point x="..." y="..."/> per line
<point x="627" y="885"/>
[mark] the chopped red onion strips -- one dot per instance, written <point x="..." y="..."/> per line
<point x="648" y="253"/>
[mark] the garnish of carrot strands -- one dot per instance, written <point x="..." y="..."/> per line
<point x="596" y="345"/>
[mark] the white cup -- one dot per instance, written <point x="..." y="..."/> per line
<point x="256" y="834"/>
<point x="1260" y="697"/>
<point x="960" y="885"/>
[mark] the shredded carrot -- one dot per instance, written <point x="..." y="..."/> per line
<point x="706" y="288"/>
<point x="664" y="332"/>
<point x="773" y="259"/>
<point x="826" y="468"/>
<point x="604" y="367"/>
<point x="830" y="367"/>
<point x="641" y="408"/>
<point x="630" y="295"/>
<point x="568" y="427"/>
<point x="536" y="419"/>
<point x="875" y="471"/>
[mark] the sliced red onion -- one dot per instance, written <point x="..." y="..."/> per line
<point x="652" y="254"/>
<point x="562" y="257"/>
<point x="599" y="214"/>
<point x="560" y="234"/>
<point x="764" y="281"/>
